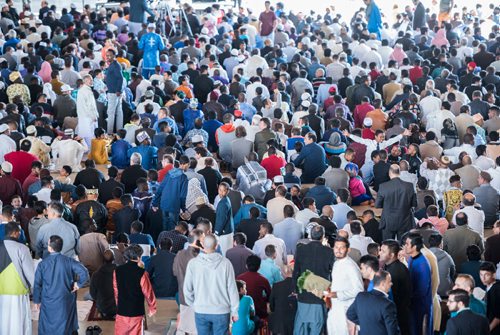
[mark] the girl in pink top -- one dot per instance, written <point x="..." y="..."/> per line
<point x="356" y="187"/>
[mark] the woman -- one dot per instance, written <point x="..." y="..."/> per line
<point x="334" y="146"/>
<point x="45" y="72"/>
<point x="398" y="54"/>
<point x="440" y="39"/>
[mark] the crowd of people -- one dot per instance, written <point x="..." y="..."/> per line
<point x="272" y="172"/>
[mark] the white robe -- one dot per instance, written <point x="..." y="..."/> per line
<point x="347" y="282"/>
<point x="86" y="110"/>
<point x="68" y="152"/>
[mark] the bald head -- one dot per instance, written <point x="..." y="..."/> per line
<point x="394" y="171"/>
<point x="327" y="210"/>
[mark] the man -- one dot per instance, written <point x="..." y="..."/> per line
<point x="492" y="246"/>
<point x="341" y="209"/>
<point x="54" y="291"/>
<point x="58" y="225"/>
<point x="488" y="197"/>
<point x="466" y="282"/>
<point x="401" y="283"/>
<point x="421" y="292"/>
<point x="445" y="7"/>
<point x="373" y="311"/>
<point x="398" y="200"/>
<point x="289" y="230"/>
<point x="457" y="240"/>
<point x="312" y="159"/>
<point x="475" y="216"/>
<point x="90" y="177"/>
<point x="276" y="205"/>
<point x="86" y="110"/>
<point x="239" y="253"/>
<point x="266" y="237"/>
<point x="318" y="259"/>
<point x="178" y="236"/>
<point x="160" y="269"/>
<point x="267" y="23"/>
<point x="114" y="81"/>
<point x="487" y="272"/>
<point x="131" y="286"/>
<point x="101" y="287"/>
<point x="21" y="161"/>
<point x="374" y="18"/>
<point x="446" y="266"/>
<point x="263" y="136"/>
<point x="378" y="143"/>
<point x="7" y="144"/>
<point x="171" y="195"/>
<point x="224" y="226"/>
<point x="210" y="289"/>
<point x="357" y="241"/>
<point x="138" y="10"/>
<point x="9" y="186"/>
<point x="151" y="43"/>
<point x="133" y="172"/>
<point x="257" y="285"/>
<point x="465" y="321"/>
<point x="346" y="284"/>
<point x="335" y="177"/>
<point x="16" y="267"/>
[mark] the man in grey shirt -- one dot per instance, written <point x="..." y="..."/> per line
<point x="289" y="230"/>
<point x="446" y="265"/>
<point x="58" y="226"/>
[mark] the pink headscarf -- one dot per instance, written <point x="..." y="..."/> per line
<point x="440" y="39"/>
<point x="398" y="54"/>
<point x="45" y="72"/>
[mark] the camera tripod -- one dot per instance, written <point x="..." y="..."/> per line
<point x="173" y="17"/>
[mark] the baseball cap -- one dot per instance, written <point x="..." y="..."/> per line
<point x="367" y="122"/>
<point x="7" y="167"/>
<point x="238" y="113"/>
<point x="197" y="139"/>
<point x="142" y="136"/>
<point x="332" y="89"/>
<point x="31" y="129"/>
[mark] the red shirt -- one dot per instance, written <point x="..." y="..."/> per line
<point x="163" y="172"/>
<point x="415" y="74"/>
<point x="32" y="178"/>
<point x="259" y="289"/>
<point x="360" y="113"/>
<point x="273" y="164"/>
<point x="21" y="164"/>
<point x="368" y="134"/>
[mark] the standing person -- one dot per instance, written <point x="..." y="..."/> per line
<point x="373" y="311"/>
<point x="465" y="321"/>
<point x="487" y="273"/>
<point x="346" y="284"/>
<point x="16" y="279"/>
<point x="86" y="110"/>
<point x="398" y="200"/>
<point x="172" y="193"/>
<point x="114" y="81"/>
<point x="419" y="20"/>
<point x="224" y="226"/>
<point x="445" y="7"/>
<point x="210" y="289"/>
<point x="138" y="10"/>
<point x="421" y="282"/>
<point x="151" y="44"/>
<point x="374" y="18"/>
<point x="267" y="23"/>
<point x="131" y="285"/>
<point x="401" y="283"/>
<point x="54" y="292"/>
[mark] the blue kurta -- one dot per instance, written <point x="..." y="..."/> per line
<point x="421" y="295"/>
<point x="374" y="19"/>
<point x="224" y="217"/>
<point x="54" y="280"/>
<point x="151" y="44"/>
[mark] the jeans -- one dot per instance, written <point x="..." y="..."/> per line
<point x="212" y="324"/>
<point x="115" y="112"/>
<point x="169" y="220"/>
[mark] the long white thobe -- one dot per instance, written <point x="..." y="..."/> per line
<point x="347" y="282"/>
<point x="86" y="110"/>
<point x="68" y="152"/>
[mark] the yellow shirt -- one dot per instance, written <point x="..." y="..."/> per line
<point x="98" y="151"/>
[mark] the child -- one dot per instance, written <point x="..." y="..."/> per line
<point x="153" y="183"/>
<point x="246" y="311"/>
<point x="356" y="187"/>
<point x="290" y="178"/>
<point x="98" y="147"/>
<point x="142" y="197"/>
<point x="268" y="267"/>
<point x="119" y="149"/>
<point x="64" y="174"/>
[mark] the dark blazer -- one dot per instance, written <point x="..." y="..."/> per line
<point x="380" y="174"/>
<point x="123" y="219"/>
<point x="316" y="258"/>
<point x="283" y="308"/>
<point x="106" y="189"/>
<point x="398" y="199"/>
<point x="468" y="323"/>
<point x="374" y="313"/>
<point x="91" y="178"/>
<point x="250" y="227"/>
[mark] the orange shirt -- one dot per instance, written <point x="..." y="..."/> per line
<point x="187" y="91"/>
